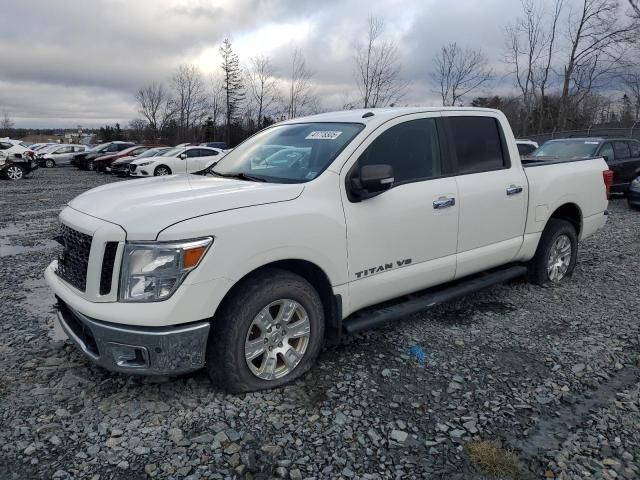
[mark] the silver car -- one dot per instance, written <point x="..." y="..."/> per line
<point x="60" y="155"/>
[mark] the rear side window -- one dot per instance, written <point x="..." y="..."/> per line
<point x="478" y="144"/>
<point x="621" y="150"/>
<point x="411" y="148"/>
<point x="635" y="149"/>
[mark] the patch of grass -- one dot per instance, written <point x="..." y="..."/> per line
<point x="493" y="460"/>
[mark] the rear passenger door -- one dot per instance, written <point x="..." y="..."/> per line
<point x="621" y="164"/>
<point x="492" y="193"/>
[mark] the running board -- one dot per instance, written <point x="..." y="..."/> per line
<point x="367" y="319"/>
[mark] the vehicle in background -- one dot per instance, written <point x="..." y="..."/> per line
<point x="633" y="194"/>
<point x="176" y="160"/>
<point x="621" y="154"/>
<point x="17" y="160"/>
<point x="121" y="166"/>
<point x="244" y="271"/>
<point x="58" y="155"/>
<point x="39" y="146"/>
<point x="84" y="161"/>
<point x="103" y="164"/>
<point x="220" y="145"/>
<point x="525" y="147"/>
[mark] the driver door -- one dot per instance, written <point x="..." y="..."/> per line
<point x="200" y="160"/>
<point x="404" y="239"/>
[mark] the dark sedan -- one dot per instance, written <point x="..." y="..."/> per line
<point x="621" y="154"/>
<point x="84" y="161"/>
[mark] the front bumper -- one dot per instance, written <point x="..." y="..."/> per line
<point x="137" y="350"/>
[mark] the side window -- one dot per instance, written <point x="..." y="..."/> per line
<point x="607" y="151"/>
<point x="112" y="148"/>
<point x="411" y="148"/>
<point x="194" y="152"/>
<point x="478" y="144"/>
<point x="634" y="147"/>
<point x="63" y="150"/>
<point x="621" y="150"/>
<point x="78" y="149"/>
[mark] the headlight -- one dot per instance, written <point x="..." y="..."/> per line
<point x="144" y="164"/>
<point x="151" y="272"/>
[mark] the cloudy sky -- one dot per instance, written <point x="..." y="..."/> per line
<point x="70" y="62"/>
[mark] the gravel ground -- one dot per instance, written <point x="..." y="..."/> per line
<point x="550" y="376"/>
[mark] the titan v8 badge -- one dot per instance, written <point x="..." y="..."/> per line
<point x="383" y="268"/>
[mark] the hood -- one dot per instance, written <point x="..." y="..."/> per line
<point x="145" y="207"/>
<point x="122" y="160"/>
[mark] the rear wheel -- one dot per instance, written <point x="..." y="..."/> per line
<point x="161" y="171"/>
<point x="268" y="333"/>
<point x="557" y="253"/>
<point x="49" y="163"/>
<point x="14" y="172"/>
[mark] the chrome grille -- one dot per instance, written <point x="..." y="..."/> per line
<point x="74" y="259"/>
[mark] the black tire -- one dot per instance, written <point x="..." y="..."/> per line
<point x="49" y="163"/>
<point x="13" y="172"/>
<point x="160" y="171"/>
<point x="225" y="361"/>
<point x="538" y="266"/>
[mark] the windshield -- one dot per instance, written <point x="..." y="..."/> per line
<point x="293" y="153"/>
<point x="174" y="152"/>
<point x="152" y="152"/>
<point x="567" y="149"/>
<point x="101" y="147"/>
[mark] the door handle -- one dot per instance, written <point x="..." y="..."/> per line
<point x="514" y="189"/>
<point x="444" y="203"/>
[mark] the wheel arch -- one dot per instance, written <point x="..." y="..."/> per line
<point x="316" y="276"/>
<point x="571" y="213"/>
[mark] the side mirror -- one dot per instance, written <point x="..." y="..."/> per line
<point x="183" y="156"/>
<point x="371" y="181"/>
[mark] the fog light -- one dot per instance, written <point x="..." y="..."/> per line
<point x="129" y="356"/>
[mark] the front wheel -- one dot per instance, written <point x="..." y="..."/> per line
<point x="14" y="172"/>
<point x="557" y="253"/>
<point x="161" y="171"/>
<point x="49" y="163"/>
<point x="268" y="333"/>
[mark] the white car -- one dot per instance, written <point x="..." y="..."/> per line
<point x="58" y="155"/>
<point x="245" y="270"/>
<point x="177" y="160"/>
<point x="525" y="147"/>
<point x="16" y="159"/>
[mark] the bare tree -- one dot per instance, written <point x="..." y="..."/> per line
<point x="632" y="86"/>
<point x="300" y="91"/>
<point x="190" y="98"/>
<point x="262" y="85"/>
<point x="6" y="124"/>
<point x="635" y="6"/>
<point x="217" y="102"/>
<point x="597" y="39"/>
<point x="156" y="106"/>
<point x="232" y="84"/>
<point x="378" y="69"/>
<point x="137" y="128"/>
<point x="530" y="46"/>
<point x="459" y="72"/>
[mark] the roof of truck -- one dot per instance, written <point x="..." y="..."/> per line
<point x="381" y="115"/>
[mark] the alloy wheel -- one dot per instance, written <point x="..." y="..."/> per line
<point x="14" y="172"/>
<point x="559" y="258"/>
<point x="277" y="339"/>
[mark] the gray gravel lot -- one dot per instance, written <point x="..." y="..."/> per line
<point x="549" y="374"/>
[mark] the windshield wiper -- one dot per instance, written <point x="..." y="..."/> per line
<point x="241" y="176"/>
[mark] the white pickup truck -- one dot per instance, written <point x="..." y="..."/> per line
<point x="244" y="271"/>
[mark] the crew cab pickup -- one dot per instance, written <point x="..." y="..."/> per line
<point x="245" y="270"/>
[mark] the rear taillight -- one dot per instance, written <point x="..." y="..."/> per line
<point x="607" y="177"/>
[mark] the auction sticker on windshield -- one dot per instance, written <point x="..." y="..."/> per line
<point x="323" y="135"/>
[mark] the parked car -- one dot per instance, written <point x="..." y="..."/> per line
<point x="633" y="194"/>
<point x="121" y="166"/>
<point x="39" y="146"/>
<point x="220" y="145"/>
<point x="58" y="155"/>
<point x="525" y="147"/>
<point x="84" y="161"/>
<point x="16" y="160"/>
<point x="271" y="258"/>
<point x="176" y="160"/>
<point x="103" y="164"/>
<point x="621" y="154"/>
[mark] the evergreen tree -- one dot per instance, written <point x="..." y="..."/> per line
<point x="232" y="85"/>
